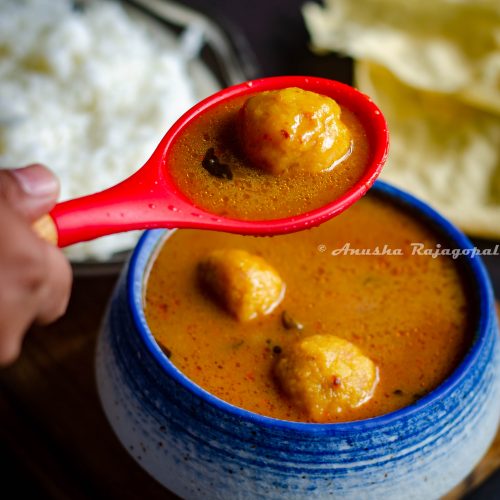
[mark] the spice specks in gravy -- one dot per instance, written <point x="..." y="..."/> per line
<point x="406" y="314"/>
<point x="235" y="159"/>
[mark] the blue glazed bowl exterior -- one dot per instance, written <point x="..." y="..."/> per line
<point x="201" y="447"/>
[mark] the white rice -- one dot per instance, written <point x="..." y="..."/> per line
<point x="90" y="94"/>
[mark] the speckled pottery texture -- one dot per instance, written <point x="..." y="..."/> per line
<point x="201" y="447"/>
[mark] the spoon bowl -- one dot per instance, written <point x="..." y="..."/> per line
<point x="150" y="199"/>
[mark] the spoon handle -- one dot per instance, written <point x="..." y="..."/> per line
<point x="46" y="228"/>
<point x="143" y="201"/>
<point x="122" y="207"/>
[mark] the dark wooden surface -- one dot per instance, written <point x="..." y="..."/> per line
<point x="54" y="439"/>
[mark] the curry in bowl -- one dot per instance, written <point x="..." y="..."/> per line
<point x="210" y="334"/>
<point x="281" y="326"/>
<point x="304" y="327"/>
<point x="200" y="446"/>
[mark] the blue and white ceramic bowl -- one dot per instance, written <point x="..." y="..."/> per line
<point x="201" y="447"/>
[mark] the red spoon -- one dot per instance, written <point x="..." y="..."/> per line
<point x="150" y="199"/>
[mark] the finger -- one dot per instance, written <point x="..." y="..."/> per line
<point x="13" y="323"/>
<point x="35" y="281"/>
<point x="31" y="191"/>
<point x="55" y="293"/>
<point x="10" y="347"/>
<point x="22" y="274"/>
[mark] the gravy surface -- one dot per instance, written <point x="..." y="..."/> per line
<point x="407" y="313"/>
<point x="253" y="194"/>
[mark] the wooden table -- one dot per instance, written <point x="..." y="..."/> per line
<point x="55" y="440"/>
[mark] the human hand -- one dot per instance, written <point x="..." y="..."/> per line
<point x="35" y="277"/>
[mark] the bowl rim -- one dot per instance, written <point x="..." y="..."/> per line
<point x="147" y="246"/>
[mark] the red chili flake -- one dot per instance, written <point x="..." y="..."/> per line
<point x="336" y="381"/>
<point x="318" y="326"/>
<point x="285" y="134"/>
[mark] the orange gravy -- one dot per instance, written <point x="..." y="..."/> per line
<point x="407" y="313"/>
<point x="253" y="194"/>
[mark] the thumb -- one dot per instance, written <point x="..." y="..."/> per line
<point x="31" y="191"/>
